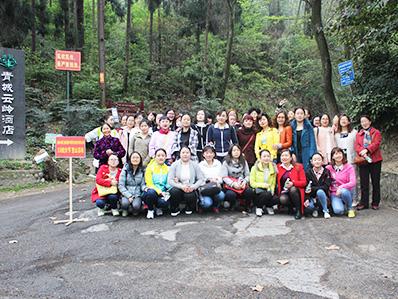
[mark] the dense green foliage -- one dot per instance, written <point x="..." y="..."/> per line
<point x="272" y="58"/>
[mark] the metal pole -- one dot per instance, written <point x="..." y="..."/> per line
<point x="70" y="191"/>
<point x="67" y="97"/>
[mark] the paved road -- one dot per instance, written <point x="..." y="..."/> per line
<point x="205" y="256"/>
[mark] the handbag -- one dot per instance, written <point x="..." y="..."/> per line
<point x="103" y="191"/>
<point x="238" y="191"/>
<point x="359" y="160"/>
<point x="209" y="189"/>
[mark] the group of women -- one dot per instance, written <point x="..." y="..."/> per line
<point x="169" y="163"/>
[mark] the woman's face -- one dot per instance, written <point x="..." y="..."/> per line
<point x="123" y="122"/>
<point x="263" y="122"/>
<point x="160" y="157"/>
<point x="208" y="155"/>
<point x="338" y="157"/>
<point x="286" y="158"/>
<point x="280" y="119"/>
<point x="290" y="115"/>
<point x="299" y="115"/>
<point x="171" y="115"/>
<point x="325" y="121"/>
<point x="335" y="120"/>
<point x="135" y="159"/>
<point x="232" y="119"/>
<point x="110" y="121"/>
<point x="235" y="152"/>
<point x="138" y="120"/>
<point x="248" y="123"/>
<point x="316" y="161"/>
<point x="265" y="157"/>
<point x="151" y="117"/>
<point x="165" y="124"/>
<point x="344" y="121"/>
<point x="317" y="121"/>
<point x="254" y="114"/>
<point x="113" y="161"/>
<point x="144" y="128"/>
<point x="186" y="121"/>
<point x="130" y="122"/>
<point x="365" y="123"/>
<point x="200" y="116"/>
<point x="106" y="130"/>
<point x="158" y="117"/>
<point x="222" y="118"/>
<point x="185" y="155"/>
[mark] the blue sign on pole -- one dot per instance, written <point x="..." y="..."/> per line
<point x="346" y="71"/>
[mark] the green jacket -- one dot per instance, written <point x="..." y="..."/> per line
<point x="258" y="177"/>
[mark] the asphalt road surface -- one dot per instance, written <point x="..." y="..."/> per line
<point x="197" y="256"/>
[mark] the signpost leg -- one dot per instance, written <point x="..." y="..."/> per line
<point x="71" y="219"/>
<point x="67" y="96"/>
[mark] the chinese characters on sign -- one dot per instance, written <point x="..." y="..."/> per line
<point x="67" y="60"/>
<point x="70" y="147"/>
<point x="12" y="102"/>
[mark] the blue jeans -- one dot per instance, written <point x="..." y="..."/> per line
<point x="110" y="199"/>
<point x="323" y="199"/>
<point x="135" y="204"/>
<point x="339" y="203"/>
<point x="207" y="202"/>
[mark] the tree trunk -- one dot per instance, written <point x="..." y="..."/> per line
<point x="80" y="24"/>
<point x="93" y="16"/>
<point x="330" y="98"/>
<point x="206" y="50"/>
<point x="228" y="56"/>
<point x="101" y="47"/>
<point x="197" y="37"/>
<point x="308" y="31"/>
<point x="127" y="48"/>
<point x="42" y="17"/>
<point x="33" y="26"/>
<point x="151" y="36"/>
<point x="159" y="36"/>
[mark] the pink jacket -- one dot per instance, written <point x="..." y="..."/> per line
<point x="343" y="179"/>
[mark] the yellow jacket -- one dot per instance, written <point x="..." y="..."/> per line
<point x="265" y="140"/>
<point x="257" y="178"/>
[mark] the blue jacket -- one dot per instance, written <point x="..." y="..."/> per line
<point x="308" y="144"/>
<point x="222" y="139"/>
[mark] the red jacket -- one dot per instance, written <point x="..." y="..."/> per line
<point x="103" y="180"/>
<point x="373" y="148"/>
<point x="297" y="176"/>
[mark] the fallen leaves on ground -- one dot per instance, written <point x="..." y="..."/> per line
<point x="257" y="288"/>
<point x="283" y="262"/>
<point x="332" y="247"/>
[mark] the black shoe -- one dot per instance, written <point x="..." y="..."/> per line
<point x="297" y="216"/>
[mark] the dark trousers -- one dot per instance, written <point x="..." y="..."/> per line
<point x="373" y="170"/>
<point x="265" y="198"/>
<point x="291" y="198"/>
<point x="151" y="199"/>
<point x="178" y="196"/>
<point x="248" y="196"/>
<point x="110" y="200"/>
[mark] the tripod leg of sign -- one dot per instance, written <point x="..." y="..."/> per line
<point x="71" y="219"/>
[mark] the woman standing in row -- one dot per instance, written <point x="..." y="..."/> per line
<point x="281" y="123"/>
<point x="324" y="137"/>
<point x="247" y="137"/>
<point x="267" y="138"/>
<point x="201" y="127"/>
<point x="185" y="136"/>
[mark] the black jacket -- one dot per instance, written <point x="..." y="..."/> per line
<point x="324" y="181"/>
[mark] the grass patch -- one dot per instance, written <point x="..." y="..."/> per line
<point x="27" y="186"/>
<point x="16" y="165"/>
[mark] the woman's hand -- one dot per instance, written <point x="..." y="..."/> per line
<point x="363" y="152"/>
<point x="109" y="152"/>
<point x="338" y="192"/>
<point x="113" y="182"/>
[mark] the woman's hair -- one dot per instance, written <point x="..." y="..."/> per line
<point x="336" y="150"/>
<point x="185" y="147"/>
<point x="119" y="160"/>
<point x="366" y="116"/>
<point x="339" y="127"/>
<point x="264" y="151"/>
<point x="228" y="158"/>
<point x="326" y="115"/>
<point x="297" y="108"/>
<point x="253" y="109"/>
<point x="153" y="113"/>
<point x="209" y="148"/>
<point x="316" y="154"/>
<point x="233" y="111"/>
<point x="286" y="150"/>
<point x="105" y="124"/>
<point x="161" y="150"/>
<point x="164" y="117"/>
<point x="219" y="112"/>
<point x="275" y="122"/>
<point x="129" y="161"/>
<point x="267" y="117"/>
<point x="145" y="121"/>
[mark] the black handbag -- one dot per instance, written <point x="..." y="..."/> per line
<point x="209" y="189"/>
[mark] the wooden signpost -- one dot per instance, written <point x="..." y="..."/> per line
<point x="70" y="147"/>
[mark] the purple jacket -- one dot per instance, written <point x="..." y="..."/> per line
<point x="105" y="143"/>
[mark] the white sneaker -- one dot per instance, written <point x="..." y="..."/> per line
<point x="259" y="212"/>
<point x="159" y="212"/>
<point x="226" y="204"/>
<point x="270" y="211"/>
<point x="150" y="214"/>
<point x="115" y="212"/>
<point x="125" y="213"/>
<point x="101" y="212"/>
<point x="174" y="214"/>
<point x="326" y="215"/>
<point x="315" y="213"/>
<point x="188" y="212"/>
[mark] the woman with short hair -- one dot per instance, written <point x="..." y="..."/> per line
<point x="107" y="146"/>
<point x="185" y="177"/>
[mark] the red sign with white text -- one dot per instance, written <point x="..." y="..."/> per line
<point x="70" y="147"/>
<point x="67" y="60"/>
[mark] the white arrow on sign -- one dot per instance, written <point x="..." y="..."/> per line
<point x="8" y="142"/>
